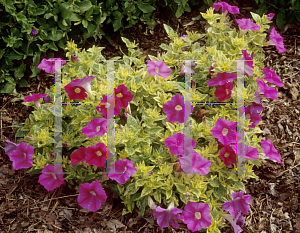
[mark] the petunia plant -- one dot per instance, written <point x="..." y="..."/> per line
<point x="190" y="178"/>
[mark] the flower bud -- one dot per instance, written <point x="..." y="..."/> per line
<point x="51" y="155"/>
<point x="159" y="161"/>
<point x="29" y="138"/>
<point x="75" y="58"/>
<point x="150" y="173"/>
<point x="187" y="194"/>
<point x="64" y="144"/>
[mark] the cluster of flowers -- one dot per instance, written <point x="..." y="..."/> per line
<point x="195" y="215"/>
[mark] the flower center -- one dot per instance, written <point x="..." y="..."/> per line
<point x="227" y="92"/>
<point x="119" y="95"/>
<point x="198" y="215"/>
<point x="247" y="116"/>
<point x="226" y="154"/>
<point x="54" y="176"/>
<point x="224" y="131"/>
<point x="107" y="105"/>
<point x="178" y="108"/>
<point x="93" y="193"/>
<point x="98" y="153"/>
<point x="25" y="155"/>
<point x="125" y="169"/>
<point x="77" y="90"/>
<point x="156" y="69"/>
<point x="98" y="128"/>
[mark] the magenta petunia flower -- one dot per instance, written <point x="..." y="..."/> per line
<point x="77" y="88"/>
<point x="195" y="163"/>
<point x="196" y="216"/>
<point x="75" y="58"/>
<point x="35" y="98"/>
<point x="109" y="107"/>
<point x="166" y="217"/>
<point x="221" y="79"/>
<point x="269" y="92"/>
<point x="158" y="68"/>
<point x="79" y="155"/>
<point x="96" y="127"/>
<point x="228" y="155"/>
<point x="250" y="152"/>
<point x="248" y="63"/>
<point x="239" y="203"/>
<point x="125" y="169"/>
<point x="33" y="32"/>
<point x="176" y="144"/>
<point x="226" y="7"/>
<point x="257" y="97"/>
<point x="270" y="16"/>
<point x="245" y="24"/>
<point x="123" y="96"/>
<point x="10" y="147"/>
<point x="270" y="151"/>
<point x="91" y="196"/>
<point x="97" y="155"/>
<point x="183" y="69"/>
<point x="51" y="177"/>
<point x="49" y="65"/>
<point x="174" y="109"/>
<point x="47" y="99"/>
<point x="22" y="156"/>
<point x="225" y="132"/>
<point x="277" y="39"/>
<point x="234" y="220"/>
<point x="224" y="92"/>
<point x="272" y="77"/>
<point x="251" y="113"/>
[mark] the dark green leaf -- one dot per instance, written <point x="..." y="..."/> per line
<point x="23" y="83"/>
<point x="8" y="88"/>
<point x="14" y="56"/>
<point x="19" y="71"/>
<point x="145" y="7"/>
<point x="74" y="17"/>
<point x="84" y="6"/>
<point x="281" y="20"/>
<point x="65" y="9"/>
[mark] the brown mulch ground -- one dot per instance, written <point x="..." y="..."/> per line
<point x="25" y="206"/>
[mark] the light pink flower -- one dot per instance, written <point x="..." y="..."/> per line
<point x="221" y="79"/>
<point x="51" y="177"/>
<point x="35" y="98"/>
<point x="78" y="156"/>
<point x="176" y="144"/>
<point x="270" y="16"/>
<point x="226" y="7"/>
<point x="239" y="203"/>
<point x="277" y="39"/>
<point x="248" y="63"/>
<point x="49" y="65"/>
<point x="22" y="156"/>
<point x="225" y="132"/>
<point x="97" y="155"/>
<point x="91" y="196"/>
<point x="109" y="107"/>
<point x="257" y="97"/>
<point x="245" y="24"/>
<point x="270" y="151"/>
<point x="125" y="169"/>
<point x="196" y="216"/>
<point x="269" y="92"/>
<point x="158" y="68"/>
<point x="224" y="92"/>
<point x="174" y="109"/>
<point x="272" y="77"/>
<point x="166" y="217"/>
<point x="123" y="96"/>
<point x="195" y="163"/>
<point x="96" y="127"/>
<point x="10" y="147"/>
<point x="234" y="220"/>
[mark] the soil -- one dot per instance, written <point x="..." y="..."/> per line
<point x="25" y="206"/>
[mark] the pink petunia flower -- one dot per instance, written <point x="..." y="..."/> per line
<point x="228" y="155"/>
<point x="248" y="63"/>
<point x="10" y="147"/>
<point x="123" y="96"/>
<point x="277" y="40"/>
<point x="270" y="151"/>
<point x="47" y="99"/>
<point x="96" y="127"/>
<point x="91" y="196"/>
<point x="183" y="69"/>
<point x="251" y="113"/>
<point x="97" y="155"/>
<point x="51" y="177"/>
<point x="221" y="79"/>
<point x="250" y="152"/>
<point x="22" y="156"/>
<point x="225" y="132"/>
<point x="196" y="216"/>
<point x="269" y="92"/>
<point x="166" y="217"/>
<point x="226" y="7"/>
<point x="77" y="89"/>
<point x="245" y="24"/>
<point x="35" y="98"/>
<point x="234" y="220"/>
<point x="270" y="16"/>
<point x="224" y="92"/>
<point x="195" y="163"/>
<point x="257" y="98"/>
<point x="109" y="107"/>
<point x="123" y="166"/>
<point x="158" y="68"/>
<point x="176" y="144"/>
<point x="49" y="65"/>
<point x="239" y="203"/>
<point x="75" y="58"/>
<point x="79" y="155"/>
<point x="174" y="109"/>
<point x="272" y="77"/>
